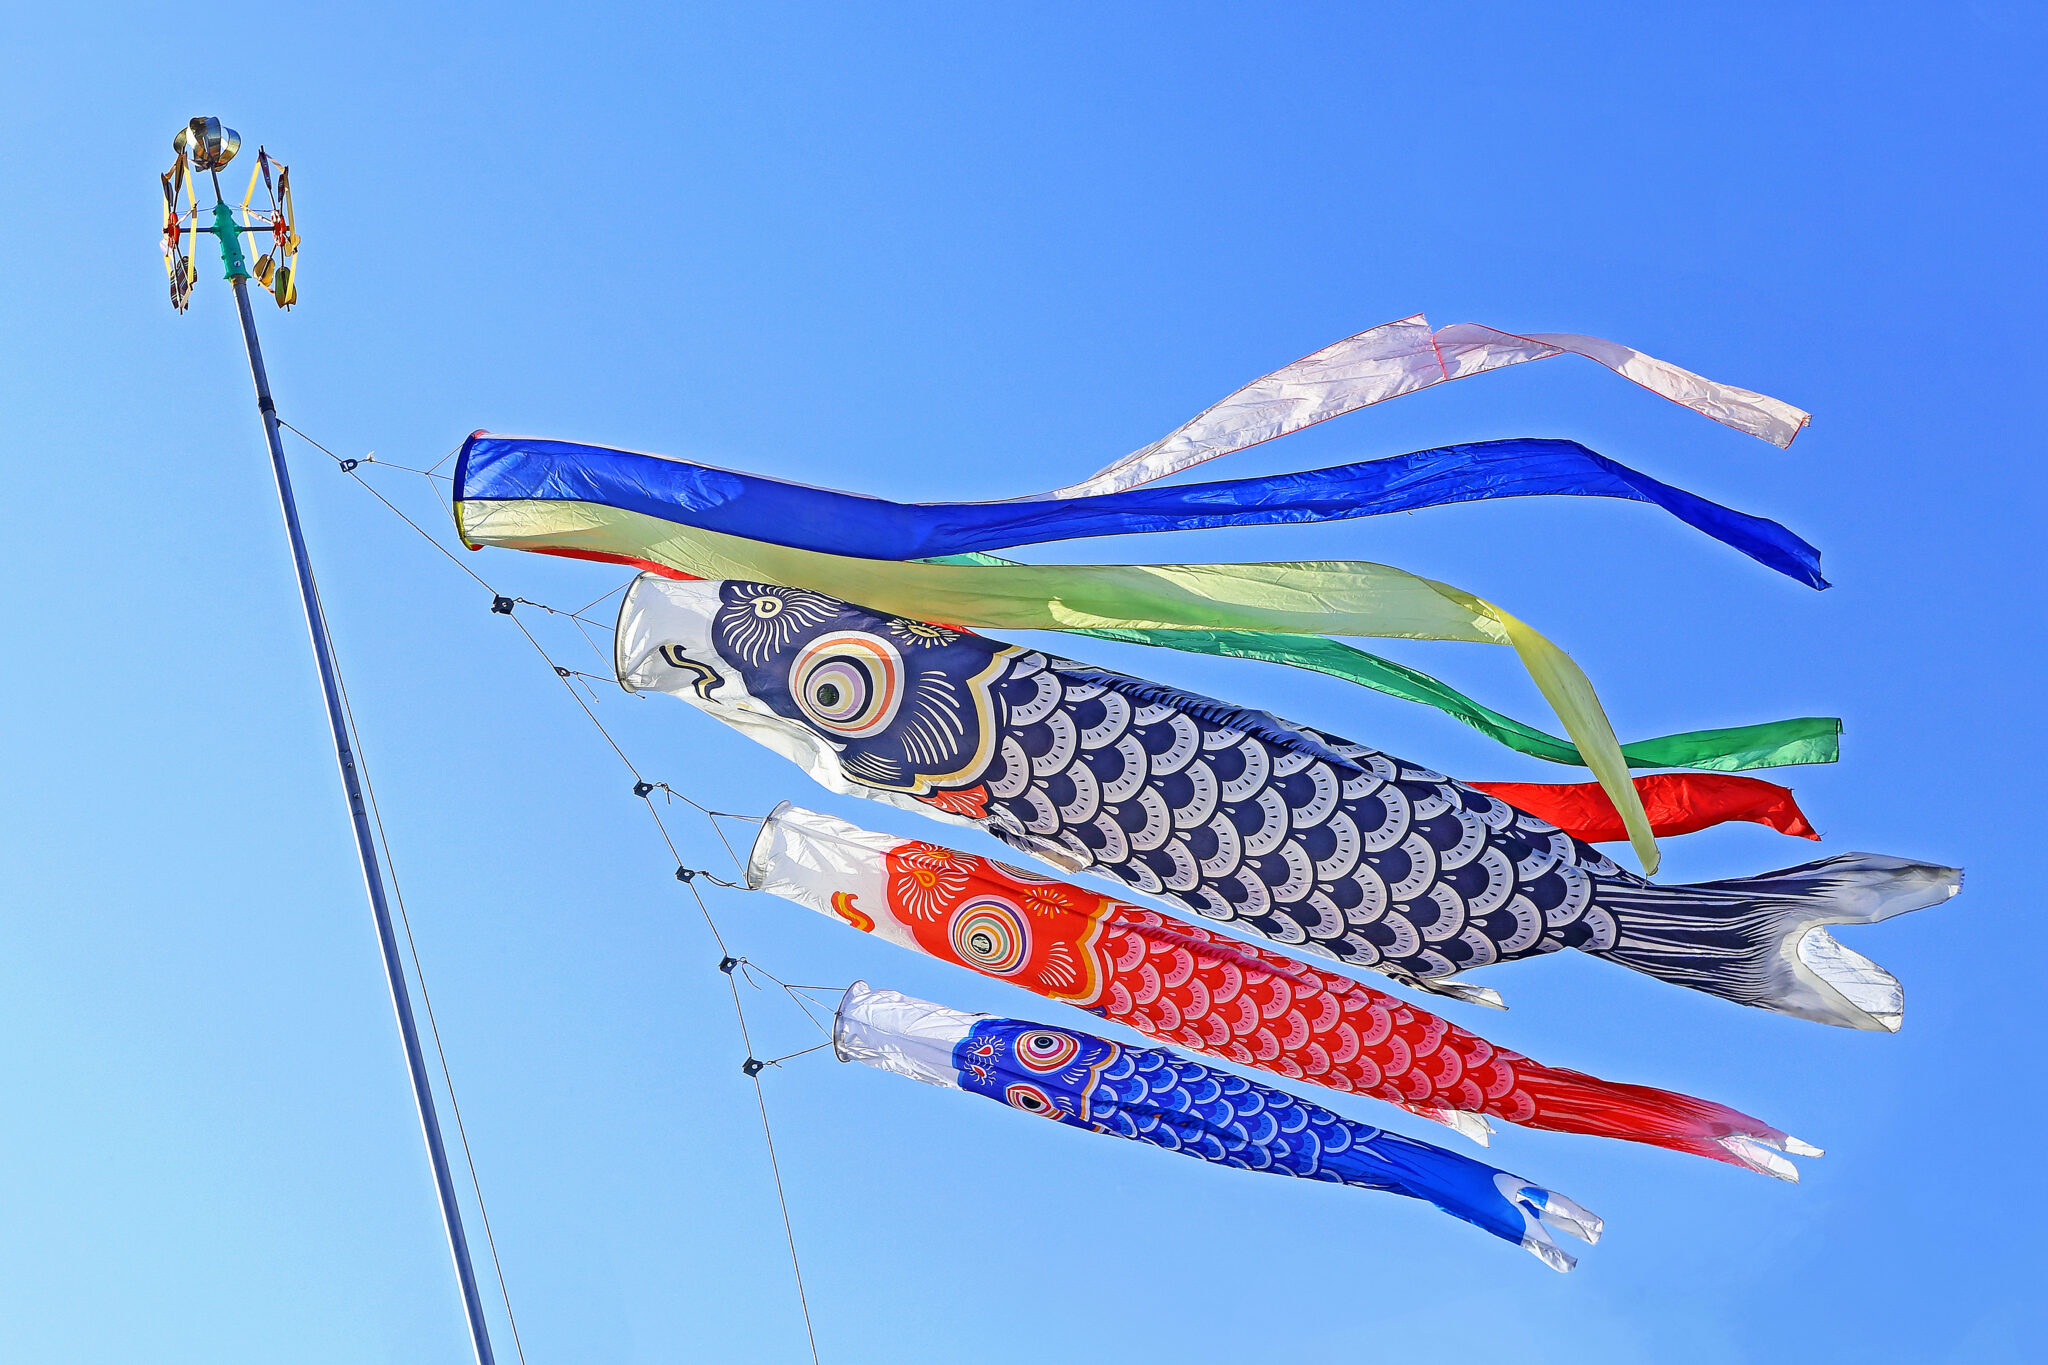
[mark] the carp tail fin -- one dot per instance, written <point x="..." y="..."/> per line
<point x="1763" y="940"/>
<point x="1573" y="1102"/>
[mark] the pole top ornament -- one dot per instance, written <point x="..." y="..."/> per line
<point x="206" y="144"/>
<point x="209" y="143"/>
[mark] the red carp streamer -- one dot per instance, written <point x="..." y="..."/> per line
<point x="1185" y="985"/>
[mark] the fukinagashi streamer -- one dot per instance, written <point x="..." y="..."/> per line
<point x="576" y="482"/>
<point x="1406" y="356"/>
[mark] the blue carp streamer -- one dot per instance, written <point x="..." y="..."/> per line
<point x="1157" y="1096"/>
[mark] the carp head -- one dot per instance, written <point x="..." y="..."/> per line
<point x="890" y="703"/>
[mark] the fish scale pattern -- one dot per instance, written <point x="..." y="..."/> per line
<point x="1180" y="984"/>
<point x="1305" y="838"/>
<point x="1171" y="1102"/>
<point x="1156" y="1096"/>
<point x="1233" y="814"/>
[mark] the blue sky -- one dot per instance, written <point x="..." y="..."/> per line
<point x="931" y="253"/>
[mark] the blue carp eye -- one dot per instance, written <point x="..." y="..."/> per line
<point x="1031" y="1100"/>
<point x="849" y="683"/>
<point x="1044" y="1050"/>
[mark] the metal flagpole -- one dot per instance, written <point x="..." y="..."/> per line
<point x="209" y="147"/>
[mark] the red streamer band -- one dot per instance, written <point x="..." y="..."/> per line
<point x="1677" y="803"/>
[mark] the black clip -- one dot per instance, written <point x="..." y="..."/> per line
<point x="752" y="1067"/>
<point x="643" y="789"/>
<point x="726" y="964"/>
<point x="502" y="606"/>
<point x="684" y="874"/>
<point x="349" y="466"/>
<point x="561" y="672"/>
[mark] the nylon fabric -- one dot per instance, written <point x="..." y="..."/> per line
<point x="1774" y="744"/>
<point x="1677" y="803"/>
<point x="508" y="468"/>
<point x="1181" y="984"/>
<point x="1335" y="597"/>
<point x="1404" y="357"/>
<point x="1160" y="1098"/>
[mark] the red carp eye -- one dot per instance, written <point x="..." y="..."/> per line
<point x="849" y="683"/>
<point x="1045" y="1050"/>
<point x="1031" y="1100"/>
<point x="989" y="936"/>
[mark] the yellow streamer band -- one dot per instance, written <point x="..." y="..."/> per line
<point x="1325" y="597"/>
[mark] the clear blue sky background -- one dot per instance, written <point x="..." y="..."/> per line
<point x="931" y="253"/>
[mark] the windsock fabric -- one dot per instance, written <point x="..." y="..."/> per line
<point x="1772" y="744"/>
<point x="493" y="469"/>
<point x="1406" y="356"/>
<point x="1318" y="598"/>
<point x="1677" y="803"/>
<point x="1177" y="983"/>
<point x="1155" y="1096"/>
<point x="1234" y="814"/>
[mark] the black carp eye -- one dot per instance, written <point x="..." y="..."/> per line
<point x="1044" y="1050"/>
<point x="848" y="683"/>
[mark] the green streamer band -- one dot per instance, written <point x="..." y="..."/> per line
<point x="1775" y="744"/>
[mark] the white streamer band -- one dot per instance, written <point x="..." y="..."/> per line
<point x="1406" y="356"/>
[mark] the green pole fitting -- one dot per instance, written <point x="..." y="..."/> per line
<point x="230" y="243"/>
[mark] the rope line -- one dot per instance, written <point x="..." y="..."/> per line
<point x="803" y="1052"/>
<point x="767" y="1133"/>
<point x="642" y="789"/>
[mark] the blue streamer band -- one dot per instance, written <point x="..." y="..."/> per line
<point x="513" y="468"/>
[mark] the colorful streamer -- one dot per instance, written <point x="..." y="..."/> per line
<point x="1233" y="814"/>
<point x="498" y="469"/>
<point x="1774" y="744"/>
<point x="1326" y="598"/>
<point x="1403" y="357"/>
<point x="1179" y="984"/>
<point x="1155" y="1096"/>
<point x="1677" y="803"/>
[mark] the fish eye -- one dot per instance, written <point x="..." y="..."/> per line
<point x="848" y="683"/>
<point x="1045" y="1050"/>
<point x="1031" y="1100"/>
<point x="989" y="935"/>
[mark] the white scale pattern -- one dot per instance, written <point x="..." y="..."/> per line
<point x="1389" y="865"/>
